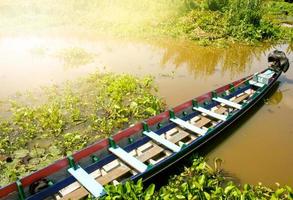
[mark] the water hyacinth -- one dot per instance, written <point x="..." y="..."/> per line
<point x="199" y="181"/>
<point x="70" y="117"/>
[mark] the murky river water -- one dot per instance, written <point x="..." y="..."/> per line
<point x="259" y="150"/>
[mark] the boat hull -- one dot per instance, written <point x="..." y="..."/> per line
<point x="136" y="130"/>
<point x="172" y="161"/>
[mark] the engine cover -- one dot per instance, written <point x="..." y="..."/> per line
<point x="278" y="61"/>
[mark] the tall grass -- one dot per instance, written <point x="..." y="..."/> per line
<point x="245" y="11"/>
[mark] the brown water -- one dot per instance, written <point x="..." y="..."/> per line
<point x="259" y="150"/>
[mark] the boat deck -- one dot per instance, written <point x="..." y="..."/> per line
<point x="152" y="152"/>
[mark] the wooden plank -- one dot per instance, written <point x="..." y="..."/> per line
<point x="188" y="126"/>
<point x="87" y="181"/>
<point x="221" y="110"/>
<point x="211" y="113"/>
<point x="113" y="174"/>
<point x="109" y="177"/>
<point x="68" y="189"/>
<point x="178" y="136"/>
<point x="76" y="194"/>
<point x="150" y="153"/>
<point x="166" y="143"/>
<point x="127" y="158"/>
<point x="202" y="121"/>
<point x="228" y="103"/>
<point x="241" y="98"/>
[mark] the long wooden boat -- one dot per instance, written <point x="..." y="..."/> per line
<point x="148" y="148"/>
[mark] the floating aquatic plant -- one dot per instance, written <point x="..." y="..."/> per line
<point x="69" y="117"/>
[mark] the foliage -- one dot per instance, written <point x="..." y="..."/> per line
<point x="228" y="20"/>
<point x="200" y="181"/>
<point x="245" y="21"/>
<point x="68" y="118"/>
<point x="278" y="11"/>
<point x="248" y="11"/>
<point x="129" y="190"/>
<point x="248" y="21"/>
<point x="216" y="5"/>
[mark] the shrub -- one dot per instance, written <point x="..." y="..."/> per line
<point x="216" y="5"/>
<point x="200" y="181"/>
<point x="245" y="22"/>
<point x="245" y="11"/>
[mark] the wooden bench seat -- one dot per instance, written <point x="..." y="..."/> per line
<point x="241" y="98"/>
<point x="115" y="173"/>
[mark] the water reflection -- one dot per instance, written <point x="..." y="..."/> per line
<point x="74" y="57"/>
<point x="194" y="57"/>
<point x="287" y="80"/>
<point x="204" y="61"/>
<point x="290" y="48"/>
<point x="276" y="98"/>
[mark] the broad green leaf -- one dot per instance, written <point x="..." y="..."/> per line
<point x="207" y="195"/>
<point x="228" y="189"/>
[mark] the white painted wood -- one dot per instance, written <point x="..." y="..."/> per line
<point x="188" y="126"/>
<point x="162" y="141"/>
<point x="269" y="73"/>
<point x="211" y="113"/>
<point x="127" y="158"/>
<point x="228" y="103"/>
<point x="70" y="188"/>
<point x="87" y="181"/>
<point x="252" y="82"/>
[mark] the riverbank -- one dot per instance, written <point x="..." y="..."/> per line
<point x="221" y="23"/>
<point x="206" y="22"/>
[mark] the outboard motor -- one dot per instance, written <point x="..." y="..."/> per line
<point x="278" y="61"/>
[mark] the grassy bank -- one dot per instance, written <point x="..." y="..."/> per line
<point x="248" y="21"/>
<point x="37" y="130"/>
<point x="200" y="181"/>
<point x="204" y="21"/>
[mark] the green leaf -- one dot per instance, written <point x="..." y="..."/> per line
<point x="21" y="153"/>
<point x="202" y="179"/>
<point x="149" y="192"/>
<point x="207" y="195"/>
<point x="180" y="196"/>
<point x="279" y="191"/>
<point x="228" y="189"/>
<point x="128" y="187"/>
